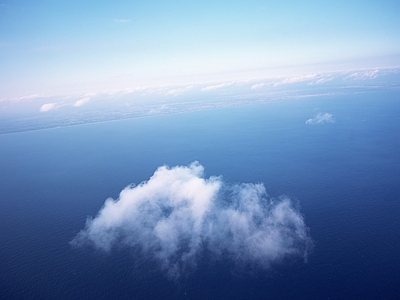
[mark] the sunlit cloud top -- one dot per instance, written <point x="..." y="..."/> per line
<point x="177" y="215"/>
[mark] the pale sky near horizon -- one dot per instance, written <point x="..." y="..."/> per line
<point x="50" y="47"/>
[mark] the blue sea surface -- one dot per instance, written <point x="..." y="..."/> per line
<point x="345" y="177"/>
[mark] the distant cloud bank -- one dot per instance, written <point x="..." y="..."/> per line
<point x="321" y="118"/>
<point x="265" y="88"/>
<point x="177" y="214"/>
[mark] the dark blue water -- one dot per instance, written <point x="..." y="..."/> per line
<point x="344" y="175"/>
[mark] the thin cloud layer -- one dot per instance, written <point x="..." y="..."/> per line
<point x="178" y="91"/>
<point x="295" y="79"/>
<point x="217" y="86"/>
<point x="321" y="118"/>
<point x="364" y="74"/>
<point x="178" y="214"/>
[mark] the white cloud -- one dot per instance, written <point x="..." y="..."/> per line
<point x="158" y="109"/>
<point x="33" y="96"/>
<point x="295" y="79"/>
<point x="321" y="118"/>
<point x="82" y="101"/>
<point x="364" y="74"/>
<point x="48" y="106"/>
<point x="28" y="97"/>
<point x="321" y="80"/>
<point x="217" y="86"/>
<point x="178" y="91"/>
<point x="257" y="86"/>
<point x="177" y="214"/>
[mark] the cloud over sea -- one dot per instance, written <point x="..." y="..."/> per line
<point x="178" y="214"/>
<point x="321" y="118"/>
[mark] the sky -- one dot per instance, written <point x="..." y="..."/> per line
<point x="57" y="47"/>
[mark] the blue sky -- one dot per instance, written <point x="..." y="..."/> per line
<point x="60" y="47"/>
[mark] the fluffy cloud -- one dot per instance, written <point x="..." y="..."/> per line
<point x="48" y="106"/>
<point x="321" y="118"/>
<point x="178" y="214"/>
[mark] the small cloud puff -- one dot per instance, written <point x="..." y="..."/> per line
<point x="48" y="106"/>
<point x="321" y="118"/>
<point x="257" y="86"/>
<point x="82" y="101"/>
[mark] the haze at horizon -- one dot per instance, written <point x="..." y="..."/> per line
<point x="69" y="47"/>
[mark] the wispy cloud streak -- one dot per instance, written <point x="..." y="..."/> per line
<point x="178" y="91"/>
<point x="178" y="214"/>
<point x="217" y="86"/>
